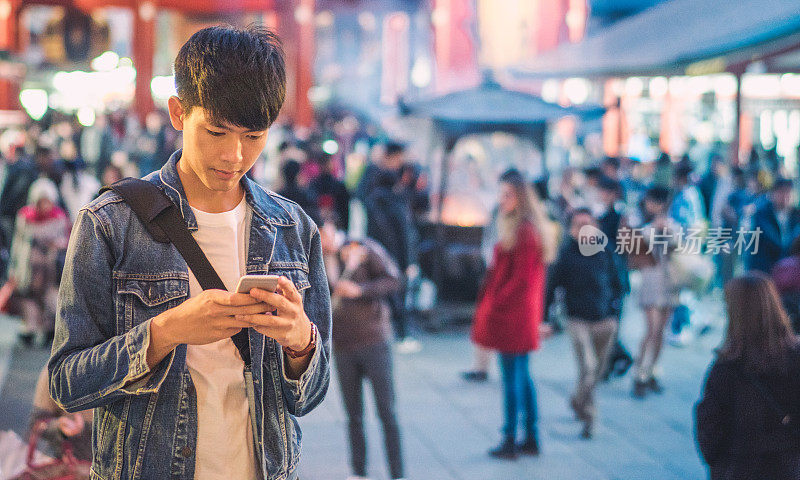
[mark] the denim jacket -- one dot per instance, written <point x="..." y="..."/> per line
<point x="117" y="278"/>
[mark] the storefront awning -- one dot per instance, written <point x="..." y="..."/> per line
<point x="678" y="37"/>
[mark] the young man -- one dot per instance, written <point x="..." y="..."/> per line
<point x="610" y="221"/>
<point x="136" y="338"/>
<point x="591" y="286"/>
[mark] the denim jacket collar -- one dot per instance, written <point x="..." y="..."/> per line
<point x="260" y="200"/>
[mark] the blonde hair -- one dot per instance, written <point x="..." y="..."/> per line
<point x="529" y="209"/>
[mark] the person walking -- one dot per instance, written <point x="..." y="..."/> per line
<point x="362" y="276"/>
<point x="778" y="220"/>
<point x="331" y="195"/>
<point x="748" y="419"/>
<point x="591" y="292"/>
<point x="687" y="211"/>
<point x="292" y="190"/>
<point x="610" y="221"/>
<point x="511" y="306"/>
<point x="659" y="296"/>
<point x="390" y="222"/>
<point x="40" y="238"/>
<point x="189" y="383"/>
<point x="78" y="187"/>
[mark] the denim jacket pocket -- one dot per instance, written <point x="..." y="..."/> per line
<point x="143" y="296"/>
<point x="296" y="272"/>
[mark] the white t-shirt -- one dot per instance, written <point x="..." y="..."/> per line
<point x="225" y="447"/>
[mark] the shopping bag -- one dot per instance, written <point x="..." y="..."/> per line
<point x="14" y="455"/>
<point x="65" y="468"/>
<point x="691" y="271"/>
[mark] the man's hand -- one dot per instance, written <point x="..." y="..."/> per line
<point x="206" y="318"/>
<point x="347" y="289"/>
<point x="290" y="327"/>
<point x="71" y="424"/>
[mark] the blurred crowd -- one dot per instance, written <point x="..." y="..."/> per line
<point x="686" y="227"/>
<point x="49" y="170"/>
<point x="561" y="251"/>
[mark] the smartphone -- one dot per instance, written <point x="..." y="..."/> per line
<point x="264" y="282"/>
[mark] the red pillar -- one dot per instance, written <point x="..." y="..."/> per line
<point x="552" y="24"/>
<point x="9" y="40"/>
<point x="304" y="16"/>
<point x="295" y="26"/>
<point x="143" y="50"/>
<point x="454" y="45"/>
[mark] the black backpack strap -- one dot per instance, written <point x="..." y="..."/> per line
<point x="164" y="222"/>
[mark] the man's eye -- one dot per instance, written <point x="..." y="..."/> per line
<point x="215" y="134"/>
<point x="254" y="137"/>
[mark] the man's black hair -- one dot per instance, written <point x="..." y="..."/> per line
<point x="658" y="194"/>
<point x="593" y="172"/>
<point x="237" y="75"/>
<point x="609" y="184"/>
<point x="393" y="148"/>
<point x="290" y="170"/>
<point x="513" y="176"/>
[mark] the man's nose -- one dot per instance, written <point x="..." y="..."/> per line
<point x="233" y="150"/>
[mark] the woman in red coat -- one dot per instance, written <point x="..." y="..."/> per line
<point x="511" y="305"/>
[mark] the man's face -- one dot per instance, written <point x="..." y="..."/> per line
<point x="608" y="197"/>
<point x="394" y="161"/>
<point x="579" y="221"/>
<point x="653" y="207"/>
<point x="218" y="154"/>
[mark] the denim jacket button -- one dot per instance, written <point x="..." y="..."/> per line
<point x="187" y="452"/>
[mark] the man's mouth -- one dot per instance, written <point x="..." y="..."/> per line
<point x="225" y="174"/>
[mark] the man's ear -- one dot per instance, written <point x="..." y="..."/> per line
<point x="176" y="112"/>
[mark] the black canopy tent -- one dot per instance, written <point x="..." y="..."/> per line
<point x="491" y="108"/>
<point x="486" y="108"/>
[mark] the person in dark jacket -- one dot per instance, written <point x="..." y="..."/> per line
<point x="610" y="222"/>
<point x="779" y="221"/>
<point x="330" y="193"/>
<point x="747" y="419"/>
<point x="786" y="276"/>
<point x="362" y="276"/>
<point x="294" y="192"/>
<point x="20" y="174"/>
<point x="592" y="291"/>
<point x="390" y="223"/>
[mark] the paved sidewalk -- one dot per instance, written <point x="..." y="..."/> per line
<point x="448" y="424"/>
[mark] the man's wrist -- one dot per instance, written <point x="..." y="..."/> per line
<point x="161" y="342"/>
<point x="308" y="347"/>
<point x="159" y="329"/>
